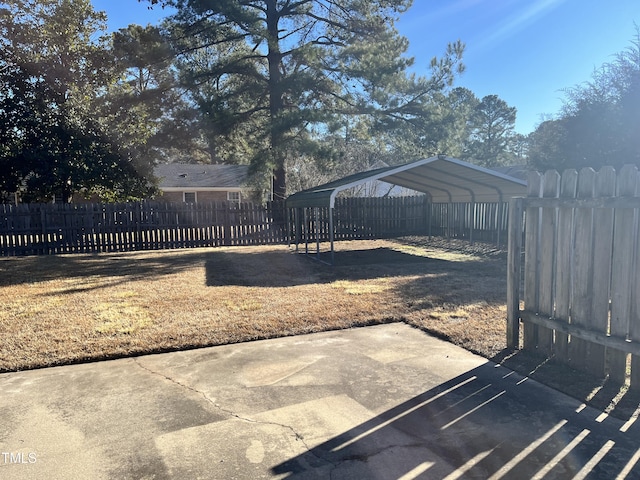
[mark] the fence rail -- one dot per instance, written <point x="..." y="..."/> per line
<point x="40" y="229"/>
<point x="581" y="270"/>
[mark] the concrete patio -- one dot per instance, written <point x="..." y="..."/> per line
<point x="381" y="402"/>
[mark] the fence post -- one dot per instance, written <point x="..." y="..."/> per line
<point x="514" y="273"/>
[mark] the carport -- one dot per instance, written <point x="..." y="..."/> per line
<point x="443" y="179"/>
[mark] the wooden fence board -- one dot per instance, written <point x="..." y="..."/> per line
<point x="550" y="188"/>
<point x="634" y="320"/>
<point x="582" y="285"/>
<point x="598" y="320"/>
<point x="634" y="315"/>
<point x="531" y="260"/>
<point x="564" y="252"/>
<point x="623" y="244"/>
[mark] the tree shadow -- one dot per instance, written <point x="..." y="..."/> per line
<point x="488" y="421"/>
<point x="362" y="257"/>
<point x="286" y="269"/>
<point x="111" y="268"/>
<point x="224" y="267"/>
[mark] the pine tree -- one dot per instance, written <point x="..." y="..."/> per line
<point x="285" y="69"/>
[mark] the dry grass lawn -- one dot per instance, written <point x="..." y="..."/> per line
<point x="71" y="308"/>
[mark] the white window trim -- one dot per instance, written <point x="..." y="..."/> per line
<point x="195" y="196"/>
<point x="234" y="200"/>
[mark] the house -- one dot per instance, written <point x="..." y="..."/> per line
<point x="202" y="183"/>
<point x="520" y="172"/>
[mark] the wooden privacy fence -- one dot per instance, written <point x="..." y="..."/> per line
<point x="476" y="222"/>
<point x="581" y="270"/>
<point x="35" y="229"/>
<point x="362" y="218"/>
<point x="38" y="229"/>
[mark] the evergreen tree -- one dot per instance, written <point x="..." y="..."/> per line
<point x="52" y="72"/>
<point x="491" y="130"/>
<point x="144" y="108"/>
<point x="600" y="121"/>
<point x="278" y="70"/>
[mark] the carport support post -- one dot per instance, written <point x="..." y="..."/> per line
<point x="498" y="224"/>
<point x="297" y="225"/>
<point x="287" y="213"/>
<point x="499" y="217"/>
<point x="316" y="214"/>
<point x="514" y="262"/>
<point x="429" y="217"/>
<point x="331" y="232"/>
<point x="472" y="217"/>
<point x="306" y="232"/>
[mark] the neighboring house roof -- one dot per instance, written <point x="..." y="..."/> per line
<point x="188" y="176"/>
<point x="445" y="179"/>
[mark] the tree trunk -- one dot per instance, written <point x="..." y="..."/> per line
<point x="276" y="102"/>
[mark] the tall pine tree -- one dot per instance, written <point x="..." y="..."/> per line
<point x="285" y="68"/>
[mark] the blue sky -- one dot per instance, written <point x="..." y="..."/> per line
<point x="524" y="51"/>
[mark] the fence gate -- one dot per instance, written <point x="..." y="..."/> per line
<point x="579" y="269"/>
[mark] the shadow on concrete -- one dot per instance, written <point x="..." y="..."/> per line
<point x="604" y="394"/>
<point x="488" y="423"/>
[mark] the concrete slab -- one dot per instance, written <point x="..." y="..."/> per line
<point x="379" y="402"/>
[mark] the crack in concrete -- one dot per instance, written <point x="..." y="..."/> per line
<point x="296" y="435"/>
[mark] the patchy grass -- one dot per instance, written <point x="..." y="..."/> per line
<point x="71" y="308"/>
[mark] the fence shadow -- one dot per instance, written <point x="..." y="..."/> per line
<point x="603" y="394"/>
<point x="487" y="423"/>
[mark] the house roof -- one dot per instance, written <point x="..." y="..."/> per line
<point x="178" y="175"/>
<point x="515" y="171"/>
<point x="445" y="179"/>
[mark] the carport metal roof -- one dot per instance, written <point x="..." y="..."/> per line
<point x="445" y="179"/>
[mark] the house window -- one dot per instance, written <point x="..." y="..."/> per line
<point x="233" y="197"/>
<point x="190" y="197"/>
